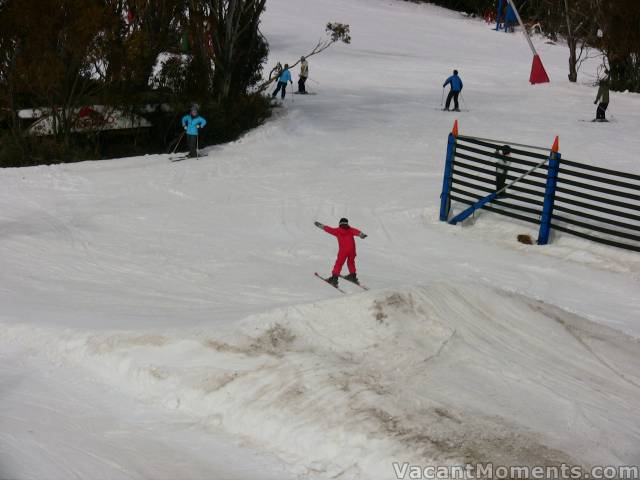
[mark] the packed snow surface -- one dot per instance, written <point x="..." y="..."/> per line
<point x="162" y="320"/>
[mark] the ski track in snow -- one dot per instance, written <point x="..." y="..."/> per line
<point x="161" y="320"/>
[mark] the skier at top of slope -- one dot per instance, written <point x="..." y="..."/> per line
<point x="603" y="98"/>
<point x="304" y="74"/>
<point x="456" y="87"/>
<point x="192" y="122"/>
<point x="284" y="77"/>
<point x="346" y="249"/>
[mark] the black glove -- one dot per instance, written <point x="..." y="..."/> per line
<point x="595" y="102"/>
<point x="362" y="235"/>
<point x="318" y="224"/>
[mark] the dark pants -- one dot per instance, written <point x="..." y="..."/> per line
<point x="600" y="111"/>
<point x="192" y="142"/>
<point x="301" y="87"/>
<point x="501" y="181"/>
<point x="281" y="86"/>
<point x="452" y="94"/>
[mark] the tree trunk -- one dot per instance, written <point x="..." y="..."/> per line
<point x="573" y="60"/>
<point x="573" y="43"/>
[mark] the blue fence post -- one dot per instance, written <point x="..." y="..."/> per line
<point x="549" y="194"/>
<point x="445" y="202"/>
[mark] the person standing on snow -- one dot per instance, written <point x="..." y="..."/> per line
<point x="304" y="74"/>
<point x="510" y="19"/>
<point x="284" y="77"/>
<point x="192" y="123"/>
<point x="456" y="88"/>
<point x="346" y="249"/>
<point x="603" y="97"/>
<point x="502" y="168"/>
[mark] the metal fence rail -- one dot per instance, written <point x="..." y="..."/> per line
<point x="595" y="203"/>
<point x="608" y="205"/>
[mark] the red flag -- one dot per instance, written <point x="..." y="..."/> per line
<point x="538" y="73"/>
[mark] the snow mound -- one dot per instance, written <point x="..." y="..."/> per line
<point x="441" y="374"/>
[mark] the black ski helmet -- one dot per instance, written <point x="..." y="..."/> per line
<point x="344" y="222"/>
<point x="455" y="72"/>
<point x="506" y="150"/>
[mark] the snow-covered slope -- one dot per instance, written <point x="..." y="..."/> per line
<point x="443" y="375"/>
<point x="161" y="320"/>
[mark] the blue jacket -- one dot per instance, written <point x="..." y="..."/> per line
<point x="192" y="124"/>
<point x="456" y="83"/>
<point x="285" y="76"/>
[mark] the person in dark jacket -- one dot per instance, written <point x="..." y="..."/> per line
<point x="502" y="169"/>
<point x="456" y="87"/>
<point x="510" y="19"/>
<point x="603" y="98"/>
<point x="346" y="249"/>
<point x="284" y="77"/>
<point x="192" y="123"/>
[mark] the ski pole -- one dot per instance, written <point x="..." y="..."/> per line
<point x="177" y="143"/>
<point x="463" y="102"/>
<point x="197" y="146"/>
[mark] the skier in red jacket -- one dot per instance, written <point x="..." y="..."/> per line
<point x="346" y="249"/>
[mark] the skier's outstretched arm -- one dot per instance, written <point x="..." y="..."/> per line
<point x="330" y="230"/>
<point x="357" y="233"/>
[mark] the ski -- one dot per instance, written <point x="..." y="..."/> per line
<point x="308" y="93"/>
<point x="186" y="157"/>
<point x="355" y="283"/>
<point x="327" y="281"/>
<point x="452" y="111"/>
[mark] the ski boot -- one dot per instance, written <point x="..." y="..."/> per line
<point x="352" y="278"/>
<point x="333" y="280"/>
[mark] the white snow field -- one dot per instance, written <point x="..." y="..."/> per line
<point x="161" y="320"/>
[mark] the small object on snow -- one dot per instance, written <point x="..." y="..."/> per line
<point x="327" y="281"/>
<point x="525" y="238"/>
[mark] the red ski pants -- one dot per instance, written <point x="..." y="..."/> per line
<point x="350" y="258"/>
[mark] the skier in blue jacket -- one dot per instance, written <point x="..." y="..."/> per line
<point x="285" y="77"/>
<point x="192" y="123"/>
<point x="456" y="88"/>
